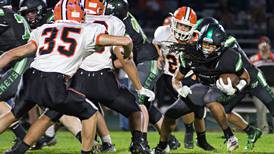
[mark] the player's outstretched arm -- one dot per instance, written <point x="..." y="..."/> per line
<point x="110" y="40"/>
<point x="16" y="53"/>
<point x="176" y="80"/>
<point x="129" y="67"/>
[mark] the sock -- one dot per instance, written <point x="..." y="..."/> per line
<point x="249" y="129"/>
<point x="201" y="137"/>
<point x="106" y="139"/>
<point x="79" y="137"/>
<point x="18" y="130"/>
<point x="85" y="152"/>
<point x="50" y="132"/>
<point x="162" y="145"/>
<point x="228" y="133"/>
<point x="22" y="147"/>
<point x="137" y="135"/>
<point x="189" y="128"/>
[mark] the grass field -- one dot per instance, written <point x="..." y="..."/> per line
<point x="68" y="144"/>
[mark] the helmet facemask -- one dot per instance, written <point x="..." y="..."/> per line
<point x="179" y="33"/>
<point x="209" y="48"/>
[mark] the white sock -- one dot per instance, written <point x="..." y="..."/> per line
<point x="50" y="132"/>
<point x="106" y="139"/>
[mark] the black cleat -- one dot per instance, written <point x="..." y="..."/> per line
<point x="139" y="147"/>
<point x="107" y="147"/>
<point x="14" y="148"/>
<point x="159" y="150"/>
<point x="44" y="141"/>
<point x="206" y="146"/>
<point x="173" y="142"/>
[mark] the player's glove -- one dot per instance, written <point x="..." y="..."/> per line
<point x="225" y="88"/>
<point x="184" y="91"/>
<point x="146" y="92"/>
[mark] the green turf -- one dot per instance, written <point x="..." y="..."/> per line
<point x="68" y="144"/>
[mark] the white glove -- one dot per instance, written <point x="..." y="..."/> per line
<point x="184" y="91"/>
<point x="146" y="92"/>
<point x="226" y="88"/>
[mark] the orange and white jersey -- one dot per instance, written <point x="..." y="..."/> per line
<point x="62" y="45"/>
<point x="164" y="37"/>
<point x="102" y="59"/>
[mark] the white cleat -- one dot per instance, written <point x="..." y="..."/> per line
<point x="232" y="143"/>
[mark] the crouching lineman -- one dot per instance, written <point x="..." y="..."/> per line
<point x="208" y="61"/>
<point x="54" y="62"/>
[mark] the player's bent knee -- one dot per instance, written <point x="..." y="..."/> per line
<point x="53" y="115"/>
<point x="154" y="115"/>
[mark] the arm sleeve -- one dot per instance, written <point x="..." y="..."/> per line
<point x="182" y="68"/>
<point x="231" y="62"/>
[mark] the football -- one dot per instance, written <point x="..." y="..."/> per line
<point x="233" y="77"/>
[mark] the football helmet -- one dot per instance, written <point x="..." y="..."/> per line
<point x="34" y="11"/>
<point x="183" y="16"/>
<point x="96" y="7"/>
<point x="69" y="10"/>
<point x="118" y="8"/>
<point x="211" y="40"/>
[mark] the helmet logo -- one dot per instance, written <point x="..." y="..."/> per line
<point x="92" y="5"/>
<point x="75" y="14"/>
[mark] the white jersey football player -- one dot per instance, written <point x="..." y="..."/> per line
<point x="102" y="59"/>
<point x="164" y="37"/>
<point x="59" y="48"/>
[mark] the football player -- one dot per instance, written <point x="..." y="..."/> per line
<point x="14" y="32"/>
<point x="145" y="57"/>
<point x="207" y="60"/>
<point x="181" y="30"/>
<point x="36" y="13"/>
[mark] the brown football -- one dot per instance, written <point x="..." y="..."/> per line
<point x="233" y="77"/>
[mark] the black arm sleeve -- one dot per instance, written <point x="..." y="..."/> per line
<point x="183" y="67"/>
<point x="231" y="62"/>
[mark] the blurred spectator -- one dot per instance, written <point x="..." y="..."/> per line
<point x="263" y="58"/>
<point x="264" y="53"/>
